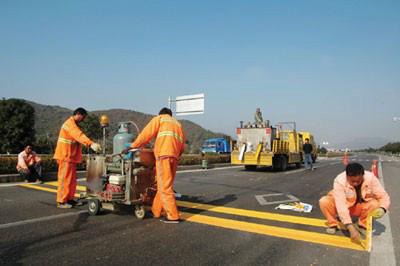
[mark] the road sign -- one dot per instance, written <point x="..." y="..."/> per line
<point x="189" y="104"/>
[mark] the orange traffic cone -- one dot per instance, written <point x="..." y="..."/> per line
<point x="345" y="159"/>
<point x="374" y="168"/>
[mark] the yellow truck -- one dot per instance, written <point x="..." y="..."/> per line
<point x="307" y="135"/>
<point x="264" y="145"/>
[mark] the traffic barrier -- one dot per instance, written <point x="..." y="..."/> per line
<point x="374" y="168"/>
<point x="345" y="159"/>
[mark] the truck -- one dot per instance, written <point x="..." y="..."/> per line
<point x="216" y="145"/>
<point x="267" y="146"/>
<point x="307" y="135"/>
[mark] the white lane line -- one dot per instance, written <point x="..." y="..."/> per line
<point x="182" y="171"/>
<point x="41" y="219"/>
<point x="212" y="169"/>
<point x="294" y="171"/>
<point x="382" y="252"/>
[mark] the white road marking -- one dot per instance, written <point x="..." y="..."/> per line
<point x="382" y="252"/>
<point x="263" y="201"/>
<point x="212" y="169"/>
<point x="41" y="219"/>
<point x="294" y="171"/>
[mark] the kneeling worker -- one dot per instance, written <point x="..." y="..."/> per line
<point x="69" y="153"/>
<point x="355" y="193"/>
<point x="168" y="147"/>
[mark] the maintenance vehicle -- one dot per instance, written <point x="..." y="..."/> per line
<point x="260" y="144"/>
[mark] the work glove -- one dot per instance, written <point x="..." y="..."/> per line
<point x="378" y="213"/>
<point x="96" y="147"/>
<point x="354" y="234"/>
<point x="126" y="150"/>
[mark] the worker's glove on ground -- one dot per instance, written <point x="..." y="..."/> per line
<point x="378" y="213"/>
<point x="96" y="147"/>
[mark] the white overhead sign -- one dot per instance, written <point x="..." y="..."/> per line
<point x="190" y="104"/>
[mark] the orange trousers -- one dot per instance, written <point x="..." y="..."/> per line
<point x="360" y="210"/>
<point x="164" y="201"/>
<point x="66" y="181"/>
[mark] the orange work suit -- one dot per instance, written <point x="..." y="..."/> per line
<point x="168" y="147"/>
<point x="341" y="201"/>
<point x="68" y="153"/>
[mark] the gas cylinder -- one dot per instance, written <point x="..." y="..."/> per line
<point x="123" y="138"/>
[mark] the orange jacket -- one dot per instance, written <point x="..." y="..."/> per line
<point x="69" y="142"/>
<point x="345" y="194"/>
<point x="27" y="160"/>
<point x="169" y="135"/>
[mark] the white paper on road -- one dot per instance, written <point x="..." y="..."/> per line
<point x="296" y="206"/>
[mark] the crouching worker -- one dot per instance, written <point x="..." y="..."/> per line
<point x="69" y="153"/>
<point x="29" y="166"/>
<point x="168" y="147"/>
<point x="355" y="193"/>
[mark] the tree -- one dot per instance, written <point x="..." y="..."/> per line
<point x="17" y="125"/>
<point x="91" y="127"/>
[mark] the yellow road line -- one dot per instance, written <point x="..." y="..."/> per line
<point x="254" y="214"/>
<point x="55" y="184"/>
<point x="318" y="238"/>
<point x="331" y="240"/>
<point x="44" y="189"/>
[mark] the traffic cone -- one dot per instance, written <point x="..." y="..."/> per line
<point x="345" y="159"/>
<point x="374" y="168"/>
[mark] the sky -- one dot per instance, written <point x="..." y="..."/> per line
<point x="331" y="66"/>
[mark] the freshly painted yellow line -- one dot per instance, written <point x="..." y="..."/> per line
<point x="55" y="184"/>
<point x="254" y="214"/>
<point x="318" y="238"/>
<point x="43" y="188"/>
<point x="331" y="240"/>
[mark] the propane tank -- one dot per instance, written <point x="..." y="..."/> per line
<point x="122" y="138"/>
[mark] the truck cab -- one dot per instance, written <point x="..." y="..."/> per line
<point x="216" y="145"/>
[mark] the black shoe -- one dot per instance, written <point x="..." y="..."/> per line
<point x="168" y="221"/>
<point x="75" y="203"/>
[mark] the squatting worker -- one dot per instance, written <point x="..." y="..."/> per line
<point x="29" y="165"/>
<point x="168" y="147"/>
<point x="69" y="153"/>
<point x="355" y="193"/>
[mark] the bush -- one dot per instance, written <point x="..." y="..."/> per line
<point x="8" y="164"/>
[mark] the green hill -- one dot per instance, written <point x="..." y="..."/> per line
<point x="48" y="120"/>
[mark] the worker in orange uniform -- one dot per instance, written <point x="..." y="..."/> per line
<point x="69" y="153"/>
<point x="168" y="147"/>
<point x="355" y="193"/>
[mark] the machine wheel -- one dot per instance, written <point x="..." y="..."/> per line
<point x="298" y="165"/>
<point x="140" y="212"/>
<point x="94" y="206"/>
<point x="250" y="167"/>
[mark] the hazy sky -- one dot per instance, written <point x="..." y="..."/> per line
<point x="331" y="66"/>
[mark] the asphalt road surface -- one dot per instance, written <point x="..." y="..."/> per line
<point x="229" y="219"/>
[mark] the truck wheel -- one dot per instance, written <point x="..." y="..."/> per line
<point x="140" y="212"/>
<point x="250" y="167"/>
<point x="284" y="163"/>
<point x="298" y="165"/>
<point x="314" y="159"/>
<point x="276" y="163"/>
<point x="94" y="207"/>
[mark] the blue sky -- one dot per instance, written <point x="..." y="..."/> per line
<point x="331" y="66"/>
